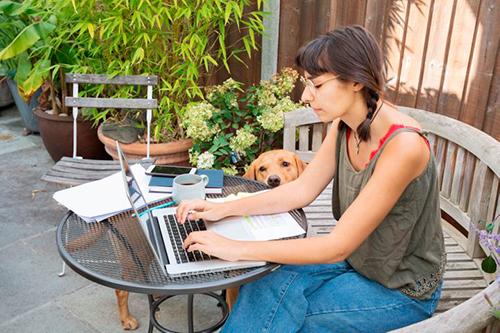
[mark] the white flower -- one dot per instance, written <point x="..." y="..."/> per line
<point x="205" y="160"/>
<point x="243" y="140"/>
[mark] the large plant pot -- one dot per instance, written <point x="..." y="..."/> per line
<point x="57" y="135"/>
<point x="25" y="108"/>
<point x="5" y="95"/>
<point x="175" y="152"/>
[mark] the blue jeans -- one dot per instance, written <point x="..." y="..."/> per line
<point x="323" y="298"/>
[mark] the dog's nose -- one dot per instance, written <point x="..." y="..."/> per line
<point x="274" y="181"/>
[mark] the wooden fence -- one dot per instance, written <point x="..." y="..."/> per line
<point x="441" y="55"/>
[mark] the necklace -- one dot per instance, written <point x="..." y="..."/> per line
<point x="356" y="138"/>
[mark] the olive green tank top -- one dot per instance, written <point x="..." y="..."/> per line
<point x="406" y="251"/>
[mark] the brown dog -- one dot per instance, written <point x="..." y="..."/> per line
<point x="275" y="168"/>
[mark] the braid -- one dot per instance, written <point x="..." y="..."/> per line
<point x="371" y="98"/>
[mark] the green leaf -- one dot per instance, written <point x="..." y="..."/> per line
<point x="138" y="55"/>
<point x="489" y="227"/>
<point x="495" y="312"/>
<point x="25" y="39"/>
<point x="489" y="265"/>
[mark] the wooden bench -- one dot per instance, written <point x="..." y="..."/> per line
<point x="468" y="163"/>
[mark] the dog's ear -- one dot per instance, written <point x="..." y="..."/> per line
<point x="250" y="173"/>
<point x="301" y="165"/>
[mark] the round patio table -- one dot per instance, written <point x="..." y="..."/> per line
<point x="116" y="254"/>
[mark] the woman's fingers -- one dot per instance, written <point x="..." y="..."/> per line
<point x="194" y="237"/>
<point x="186" y="206"/>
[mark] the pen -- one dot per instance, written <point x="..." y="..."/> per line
<point x="167" y="204"/>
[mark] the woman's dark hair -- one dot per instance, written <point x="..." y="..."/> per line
<point x="353" y="54"/>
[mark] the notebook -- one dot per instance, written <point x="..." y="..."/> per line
<point x="164" y="184"/>
<point x="165" y="235"/>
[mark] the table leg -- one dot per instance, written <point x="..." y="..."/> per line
<point x="154" y="305"/>
<point x="190" y="313"/>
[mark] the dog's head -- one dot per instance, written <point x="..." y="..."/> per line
<point x="276" y="167"/>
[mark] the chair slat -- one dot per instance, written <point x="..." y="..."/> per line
<point x="470" y="162"/>
<point x="458" y="174"/>
<point x="449" y="169"/>
<point x="105" y="79"/>
<point x="440" y="158"/>
<point x="478" y="206"/>
<point x="118" y="103"/>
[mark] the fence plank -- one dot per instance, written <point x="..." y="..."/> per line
<point x="375" y="17"/>
<point x="396" y="27"/>
<point x="462" y="37"/>
<point x="290" y="25"/>
<point x="413" y="53"/>
<point x="482" y="64"/>
<point x="436" y="55"/>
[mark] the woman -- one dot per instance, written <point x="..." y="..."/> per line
<point x="381" y="267"/>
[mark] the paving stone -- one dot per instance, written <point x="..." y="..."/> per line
<point x="28" y="277"/>
<point x="48" y="318"/>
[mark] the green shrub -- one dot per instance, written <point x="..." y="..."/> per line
<point x="179" y="41"/>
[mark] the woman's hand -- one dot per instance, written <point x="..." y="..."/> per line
<point x="199" y="209"/>
<point x="212" y="244"/>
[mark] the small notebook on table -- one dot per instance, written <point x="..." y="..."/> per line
<point x="165" y="184"/>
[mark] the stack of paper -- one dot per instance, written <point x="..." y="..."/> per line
<point x="98" y="200"/>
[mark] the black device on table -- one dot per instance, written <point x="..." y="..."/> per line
<point x="169" y="170"/>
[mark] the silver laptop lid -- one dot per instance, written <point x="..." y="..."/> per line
<point x="132" y="188"/>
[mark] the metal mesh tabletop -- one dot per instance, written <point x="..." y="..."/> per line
<point x="116" y="253"/>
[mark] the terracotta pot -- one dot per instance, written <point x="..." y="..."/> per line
<point x="57" y="135"/>
<point x="175" y="152"/>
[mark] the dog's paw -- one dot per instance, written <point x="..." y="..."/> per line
<point x="130" y="323"/>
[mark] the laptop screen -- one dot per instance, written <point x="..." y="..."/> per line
<point x="132" y="189"/>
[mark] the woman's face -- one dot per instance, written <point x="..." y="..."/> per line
<point x="328" y="96"/>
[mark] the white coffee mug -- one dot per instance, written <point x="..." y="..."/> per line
<point x="188" y="187"/>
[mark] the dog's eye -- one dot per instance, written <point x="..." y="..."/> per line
<point x="285" y="163"/>
<point x="262" y="169"/>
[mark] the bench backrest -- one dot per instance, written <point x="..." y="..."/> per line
<point x="468" y="163"/>
<point x="76" y="102"/>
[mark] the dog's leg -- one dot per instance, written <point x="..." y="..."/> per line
<point x="128" y="321"/>
<point x="231" y="296"/>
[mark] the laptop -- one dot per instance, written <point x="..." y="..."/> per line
<point x="165" y="235"/>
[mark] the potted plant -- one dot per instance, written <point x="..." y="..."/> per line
<point x="182" y="42"/>
<point x="23" y="28"/>
<point x="232" y="126"/>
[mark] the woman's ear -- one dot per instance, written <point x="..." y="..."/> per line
<point x="356" y="86"/>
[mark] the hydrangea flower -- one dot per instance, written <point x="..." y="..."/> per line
<point x="205" y="160"/>
<point x="230" y="170"/>
<point x="271" y="120"/>
<point x="193" y="156"/>
<point x="243" y="140"/>
<point x="196" y="121"/>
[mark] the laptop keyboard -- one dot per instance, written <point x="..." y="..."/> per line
<point x="178" y="232"/>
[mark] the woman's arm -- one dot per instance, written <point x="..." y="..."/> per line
<point x="296" y="194"/>
<point x="395" y="169"/>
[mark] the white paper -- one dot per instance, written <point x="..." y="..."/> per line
<point x="97" y="200"/>
<point x="257" y="227"/>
